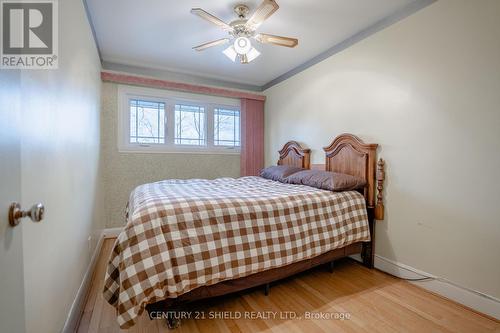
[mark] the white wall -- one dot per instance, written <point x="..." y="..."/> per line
<point x="124" y="171"/>
<point x="427" y="89"/>
<point x="60" y="150"/>
<point x="11" y="247"/>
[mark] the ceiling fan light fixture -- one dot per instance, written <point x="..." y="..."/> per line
<point x="242" y="30"/>
<point x="230" y="52"/>
<point x="252" y="54"/>
<point x="242" y="45"/>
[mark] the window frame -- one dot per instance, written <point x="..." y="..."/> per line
<point x="170" y="99"/>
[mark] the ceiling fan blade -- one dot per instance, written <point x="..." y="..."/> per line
<point x="210" y="44"/>
<point x="277" y="40"/>
<point x="210" y="18"/>
<point x="266" y="9"/>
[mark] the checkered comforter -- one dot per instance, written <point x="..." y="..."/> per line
<point x="183" y="234"/>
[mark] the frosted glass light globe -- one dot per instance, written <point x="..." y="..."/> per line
<point x="242" y="45"/>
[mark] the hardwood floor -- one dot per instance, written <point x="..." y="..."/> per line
<point x="375" y="302"/>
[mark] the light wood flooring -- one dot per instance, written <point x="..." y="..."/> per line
<point x="375" y="301"/>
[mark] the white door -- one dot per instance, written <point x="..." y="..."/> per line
<point x="12" y="314"/>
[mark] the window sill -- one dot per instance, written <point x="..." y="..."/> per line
<point x="193" y="151"/>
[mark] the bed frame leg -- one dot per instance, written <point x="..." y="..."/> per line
<point x="173" y="321"/>
<point x="266" y="289"/>
<point x="368" y="253"/>
<point x="330" y="266"/>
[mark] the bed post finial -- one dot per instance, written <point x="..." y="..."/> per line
<point x="379" y="208"/>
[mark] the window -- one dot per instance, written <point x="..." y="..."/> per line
<point x="152" y="120"/>
<point x="189" y="125"/>
<point x="226" y="127"/>
<point x="147" y="121"/>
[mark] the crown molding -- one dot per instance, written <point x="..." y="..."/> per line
<point x="395" y="17"/>
<point x="389" y="20"/>
<point x="91" y="24"/>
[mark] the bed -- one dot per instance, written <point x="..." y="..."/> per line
<point x="187" y="240"/>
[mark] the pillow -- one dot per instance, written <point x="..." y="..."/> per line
<point x="279" y="172"/>
<point x="326" y="180"/>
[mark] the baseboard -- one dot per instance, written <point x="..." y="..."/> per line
<point x="76" y="309"/>
<point x="111" y="232"/>
<point x="472" y="299"/>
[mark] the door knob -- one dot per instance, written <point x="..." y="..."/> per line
<point x="35" y="213"/>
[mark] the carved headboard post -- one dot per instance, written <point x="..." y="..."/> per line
<point x="379" y="208"/>
<point x="293" y="154"/>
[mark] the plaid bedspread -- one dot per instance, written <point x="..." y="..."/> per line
<point x="183" y="234"/>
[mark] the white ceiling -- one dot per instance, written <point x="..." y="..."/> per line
<point x="161" y="33"/>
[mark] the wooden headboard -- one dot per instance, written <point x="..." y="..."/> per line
<point x="293" y="154"/>
<point x="350" y="155"/>
<point x="346" y="154"/>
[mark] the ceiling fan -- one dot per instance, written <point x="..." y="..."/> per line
<point x="242" y="29"/>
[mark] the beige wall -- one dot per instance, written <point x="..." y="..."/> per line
<point x="60" y="167"/>
<point x="124" y="171"/>
<point x="427" y="89"/>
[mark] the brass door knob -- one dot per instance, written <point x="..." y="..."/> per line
<point x="35" y="213"/>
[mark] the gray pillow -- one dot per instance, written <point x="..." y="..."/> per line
<point x="326" y="180"/>
<point x="279" y="172"/>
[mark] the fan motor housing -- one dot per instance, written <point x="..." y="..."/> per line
<point x="239" y="26"/>
<point x="241" y="10"/>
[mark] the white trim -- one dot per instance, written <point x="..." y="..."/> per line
<point x="170" y="99"/>
<point x="473" y="299"/>
<point x="78" y="305"/>
<point x="186" y="151"/>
